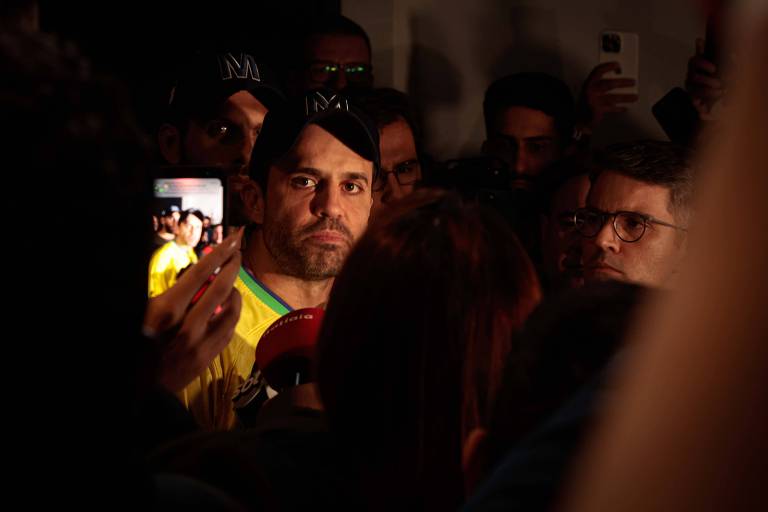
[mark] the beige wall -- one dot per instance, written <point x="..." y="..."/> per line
<point x="445" y="53"/>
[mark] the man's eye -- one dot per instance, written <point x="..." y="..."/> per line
<point x="538" y="148"/>
<point x="405" y="168"/>
<point x="218" y="129"/>
<point x="302" y="182"/>
<point x="633" y="222"/>
<point x="352" y="188"/>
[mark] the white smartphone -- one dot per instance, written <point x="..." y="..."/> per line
<point x="624" y="48"/>
<point x="185" y="187"/>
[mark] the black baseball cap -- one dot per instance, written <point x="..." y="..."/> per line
<point x="331" y="111"/>
<point x="205" y="81"/>
<point x="171" y="209"/>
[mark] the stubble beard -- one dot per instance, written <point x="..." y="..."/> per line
<point x="299" y="257"/>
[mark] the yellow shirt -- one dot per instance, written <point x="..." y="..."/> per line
<point x="209" y="396"/>
<point x="165" y="265"/>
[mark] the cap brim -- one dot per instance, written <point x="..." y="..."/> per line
<point x="282" y="128"/>
<point x="352" y="131"/>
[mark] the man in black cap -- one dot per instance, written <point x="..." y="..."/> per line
<point x="310" y="199"/>
<point x="215" y="110"/>
<point x="214" y="115"/>
<point x="166" y="232"/>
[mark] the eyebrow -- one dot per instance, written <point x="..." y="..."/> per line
<point x="643" y="214"/>
<point x="410" y="161"/>
<point x="350" y="175"/>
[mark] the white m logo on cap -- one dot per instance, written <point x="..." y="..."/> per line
<point x="317" y="102"/>
<point x="245" y="67"/>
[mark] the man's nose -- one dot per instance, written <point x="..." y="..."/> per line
<point x="607" y="239"/>
<point x="327" y="202"/>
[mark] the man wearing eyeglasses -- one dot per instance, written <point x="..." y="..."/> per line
<point x="337" y="56"/>
<point x="635" y="224"/>
<point x="400" y="171"/>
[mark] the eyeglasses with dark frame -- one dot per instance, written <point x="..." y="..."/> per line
<point x="406" y="173"/>
<point x="355" y="72"/>
<point x="628" y="226"/>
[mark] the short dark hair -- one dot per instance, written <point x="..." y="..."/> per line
<point x="192" y="211"/>
<point x="385" y="106"/>
<point x="336" y="25"/>
<point x="537" y="91"/>
<point x="655" y="162"/>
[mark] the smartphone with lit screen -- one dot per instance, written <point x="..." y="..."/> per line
<point x="624" y="48"/>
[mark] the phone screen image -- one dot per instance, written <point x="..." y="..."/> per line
<point x="176" y="189"/>
<point x="624" y="48"/>
<point x="204" y="194"/>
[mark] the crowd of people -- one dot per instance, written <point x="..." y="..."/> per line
<point x="492" y="327"/>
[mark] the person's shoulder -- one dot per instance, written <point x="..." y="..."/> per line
<point x="163" y="254"/>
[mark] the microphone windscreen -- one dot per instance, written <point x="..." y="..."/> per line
<point x="287" y="347"/>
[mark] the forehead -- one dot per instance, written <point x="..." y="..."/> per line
<point x="524" y="122"/>
<point x="342" y="48"/>
<point x="243" y="106"/>
<point x="192" y="220"/>
<point x="396" y="139"/>
<point x="318" y="149"/>
<point x="613" y="192"/>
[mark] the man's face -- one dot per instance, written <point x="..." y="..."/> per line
<point x="398" y="157"/>
<point x="653" y="259"/>
<point x="189" y="231"/>
<point x="561" y="243"/>
<point x="228" y="138"/>
<point x="317" y="205"/>
<point x="527" y="140"/>
<point x="336" y="61"/>
<point x="171" y="221"/>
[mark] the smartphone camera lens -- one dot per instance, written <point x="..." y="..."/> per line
<point x="611" y="43"/>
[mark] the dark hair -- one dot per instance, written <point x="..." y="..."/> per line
<point x="565" y="343"/>
<point x="385" y="106"/>
<point x="557" y="175"/>
<point x="537" y="91"/>
<point x="336" y="25"/>
<point x="192" y="211"/>
<point x="409" y="355"/>
<point x="655" y="162"/>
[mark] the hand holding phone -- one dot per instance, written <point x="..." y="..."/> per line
<point x="193" y="320"/>
<point x="623" y="49"/>
<point x="612" y="84"/>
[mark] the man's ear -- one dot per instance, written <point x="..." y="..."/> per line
<point x="252" y="197"/>
<point x="169" y="140"/>
<point x="473" y="459"/>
